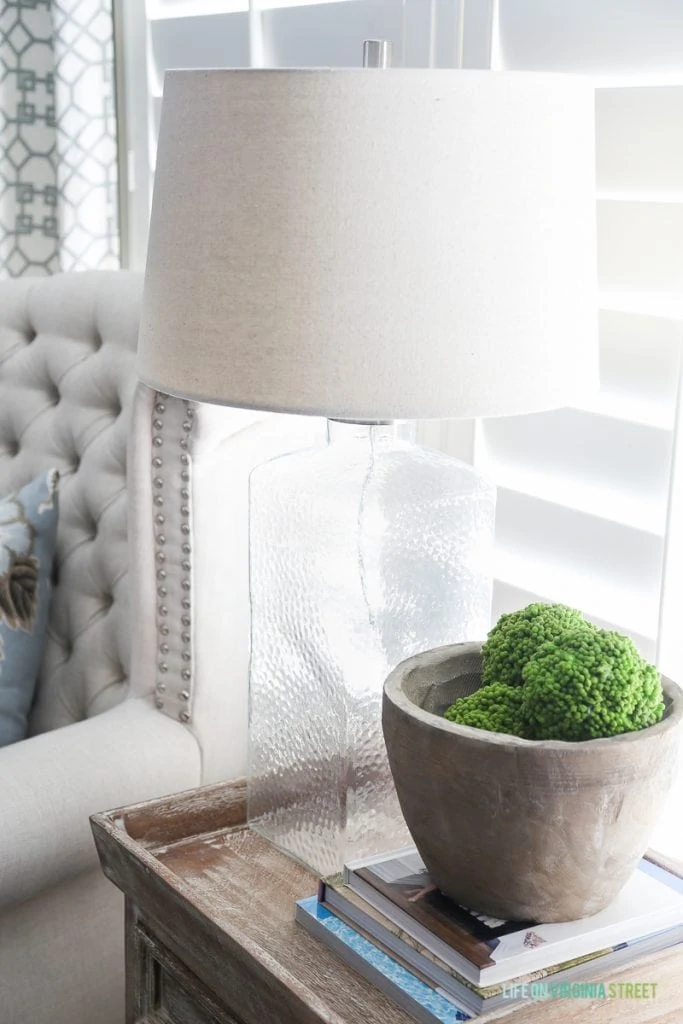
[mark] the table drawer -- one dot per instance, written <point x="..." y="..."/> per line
<point x="172" y="994"/>
<point x="182" y="1006"/>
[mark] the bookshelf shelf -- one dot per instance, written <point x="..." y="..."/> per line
<point x="211" y="936"/>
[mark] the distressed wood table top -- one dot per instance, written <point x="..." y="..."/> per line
<point x="211" y="936"/>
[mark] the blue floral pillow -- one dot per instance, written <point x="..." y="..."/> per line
<point x="28" y="536"/>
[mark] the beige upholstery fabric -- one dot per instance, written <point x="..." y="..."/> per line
<point x="61" y="955"/>
<point x="67" y="350"/>
<point x="54" y="782"/>
<point x="60" y="933"/>
<point x="67" y="381"/>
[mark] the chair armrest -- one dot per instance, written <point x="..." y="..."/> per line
<point x="52" y="783"/>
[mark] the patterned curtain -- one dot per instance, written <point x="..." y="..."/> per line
<point x="58" y="153"/>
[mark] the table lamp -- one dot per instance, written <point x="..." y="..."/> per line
<point x="371" y="247"/>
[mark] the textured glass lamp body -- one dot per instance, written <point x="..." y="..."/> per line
<point x="362" y="553"/>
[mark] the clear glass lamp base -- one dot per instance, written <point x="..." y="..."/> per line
<point x="362" y="553"/>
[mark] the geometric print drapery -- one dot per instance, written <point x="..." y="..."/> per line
<point x="58" y="143"/>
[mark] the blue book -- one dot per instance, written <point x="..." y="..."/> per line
<point x="410" y="993"/>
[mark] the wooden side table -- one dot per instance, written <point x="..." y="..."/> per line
<point x="211" y="937"/>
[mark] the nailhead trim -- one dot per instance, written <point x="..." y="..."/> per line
<point x="174" y="468"/>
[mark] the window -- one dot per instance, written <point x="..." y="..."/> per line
<point x="585" y="491"/>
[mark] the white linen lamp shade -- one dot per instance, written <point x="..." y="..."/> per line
<point x="367" y="246"/>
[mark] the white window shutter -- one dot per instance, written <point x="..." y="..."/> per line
<point x="591" y="513"/>
<point x="584" y="492"/>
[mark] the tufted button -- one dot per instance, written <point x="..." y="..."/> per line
<point x="75" y="465"/>
<point x="30" y="334"/>
<point x="12" y="448"/>
<point x="53" y="394"/>
<point x="97" y="340"/>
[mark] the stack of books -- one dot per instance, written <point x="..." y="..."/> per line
<point x="445" y="963"/>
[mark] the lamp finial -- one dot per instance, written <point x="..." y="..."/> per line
<point x="377" y="53"/>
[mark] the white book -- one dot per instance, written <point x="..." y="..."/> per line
<point x="487" y="951"/>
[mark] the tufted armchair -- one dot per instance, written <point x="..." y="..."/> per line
<point x="143" y="686"/>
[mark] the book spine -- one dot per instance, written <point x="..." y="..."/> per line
<point x="409" y="955"/>
<point x="425" y="937"/>
<point x="415" y="963"/>
<point x="346" y="903"/>
<point x="448" y="932"/>
<point x="410" y="993"/>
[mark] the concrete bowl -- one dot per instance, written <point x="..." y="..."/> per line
<point x="519" y="829"/>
